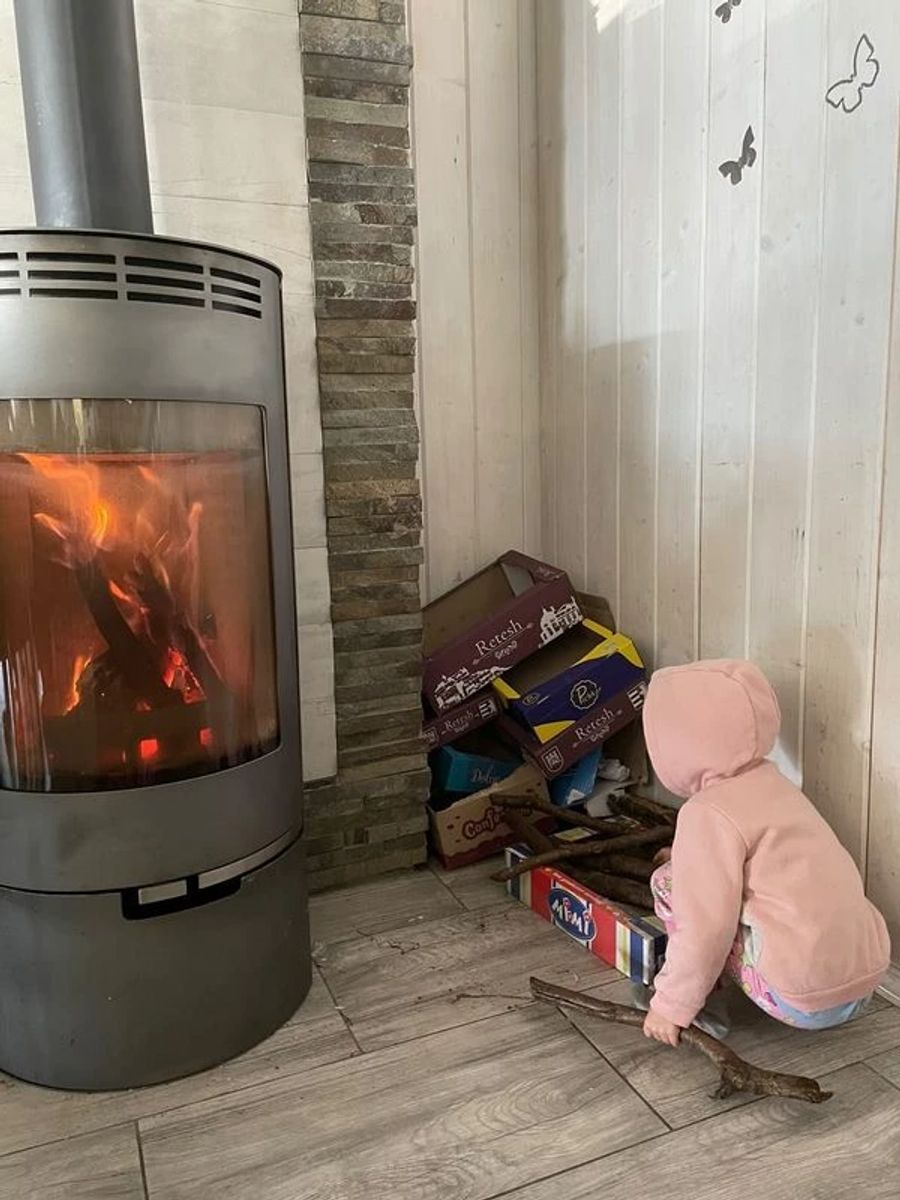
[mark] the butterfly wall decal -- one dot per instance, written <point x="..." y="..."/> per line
<point x="723" y="12"/>
<point x="847" y="94"/>
<point x="734" y="170"/>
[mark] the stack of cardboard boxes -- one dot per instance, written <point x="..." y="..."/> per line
<point x="524" y="680"/>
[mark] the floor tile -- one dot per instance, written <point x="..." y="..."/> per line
<point x="30" y="1116"/>
<point x="393" y="902"/>
<point x="97" y="1166"/>
<point x="678" y="1083"/>
<point x="463" y="1115"/>
<point x="473" y="886"/>
<point x="845" y="1149"/>
<point x="410" y="982"/>
<point x="887" y="1065"/>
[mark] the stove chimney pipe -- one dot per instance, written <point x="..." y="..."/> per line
<point x="83" y="114"/>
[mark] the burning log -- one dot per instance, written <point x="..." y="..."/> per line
<point x="736" y="1075"/>
<point x="592" y="848"/>
<point x="133" y="660"/>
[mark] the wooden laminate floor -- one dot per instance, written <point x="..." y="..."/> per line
<point x="419" y="1070"/>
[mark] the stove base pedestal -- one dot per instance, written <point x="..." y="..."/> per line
<point x="92" y="1000"/>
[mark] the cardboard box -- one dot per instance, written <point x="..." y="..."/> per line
<point x="494" y="620"/>
<point x="618" y="935"/>
<point x="473" y="763"/>
<point x="578" y="782"/>
<point x="472" y="828"/>
<point x="553" y="758"/>
<point x="562" y="682"/>
<point x="466" y="717"/>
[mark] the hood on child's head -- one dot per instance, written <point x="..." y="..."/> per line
<point x="707" y="721"/>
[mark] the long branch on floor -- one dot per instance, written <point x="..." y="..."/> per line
<point x="736" y="1074"/>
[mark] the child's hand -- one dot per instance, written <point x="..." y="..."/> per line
<point x="661" y="1030"/>
<point x="662" y="856"/>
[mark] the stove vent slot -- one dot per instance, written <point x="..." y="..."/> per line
<point x="241" y="294"/>
<point x="9" y="274"/>
<point x="164" y="281"/>
<point x="57" y="273"/>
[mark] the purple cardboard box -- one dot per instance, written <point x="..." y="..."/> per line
<point x="486" y="625"/>
<point x="595" y="727"/>
<point x="556" y="687"/>
<point x="465" y="718"/>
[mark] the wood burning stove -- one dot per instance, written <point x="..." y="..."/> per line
<point x="152" y="894"/>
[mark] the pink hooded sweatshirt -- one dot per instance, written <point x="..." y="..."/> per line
<point x="751" y="849"/>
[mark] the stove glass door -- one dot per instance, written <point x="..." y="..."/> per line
<point x="136" y="621"/>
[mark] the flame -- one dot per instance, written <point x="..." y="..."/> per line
<point x="89" y="516"/>
<point x="74" y="696"/>
<point x="147" y="553"/>
<point x="100" y="522"/>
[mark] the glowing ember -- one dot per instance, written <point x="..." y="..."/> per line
<point x="148" y="749"/>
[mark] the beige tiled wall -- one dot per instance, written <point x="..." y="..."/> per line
<point x="223" y="101"/>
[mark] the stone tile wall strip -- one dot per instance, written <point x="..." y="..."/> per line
<point x="356" y="67"/>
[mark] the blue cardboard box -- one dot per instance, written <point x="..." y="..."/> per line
<point x="472" y="764"/>
<point x="560" y="684"/>
<point x="578" y="782"/>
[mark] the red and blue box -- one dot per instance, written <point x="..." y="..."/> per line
<point x="631" y="942"/>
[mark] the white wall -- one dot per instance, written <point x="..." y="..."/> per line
<point x="474" y="134"/>
<point x="721" y="457"/>
<point x="223" y="102"/>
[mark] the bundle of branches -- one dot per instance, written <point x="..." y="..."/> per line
<point x="606" y="862"/>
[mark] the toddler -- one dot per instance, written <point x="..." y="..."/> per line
<point x="757" y="885"/>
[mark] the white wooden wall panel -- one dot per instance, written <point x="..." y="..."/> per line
<point x="528" y="346"/>
<point x="640" y="126"/>
<point x="496" y="273"/>
<point x="737" y="347"/>
<point x="884" y="807"/>
<point x="447" y="411"/>
<point x="474" y="131"/>
<point x="554" y="165"/>
<point x="683" y="198"/>
<point x="789" y="272"/>
<point x="854" y="320"/>
<point x="603" y="333"/>
<point x="729" y="369"/>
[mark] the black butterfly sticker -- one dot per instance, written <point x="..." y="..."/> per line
<point x="735" y="170"/>
<point x="848" y="93"/>
<point x="723" y="12"/>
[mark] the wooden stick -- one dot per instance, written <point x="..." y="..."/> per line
<point x="604" y="827"/>
<point x="584" y="850"/>
<point x="610" y="886"/>
<point x="642" y="809"/>
<point x="736" y="1075"/>
<point x="614" y="887"/>
<point x="629" y="866"/>
<point x="535" y="839"/>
